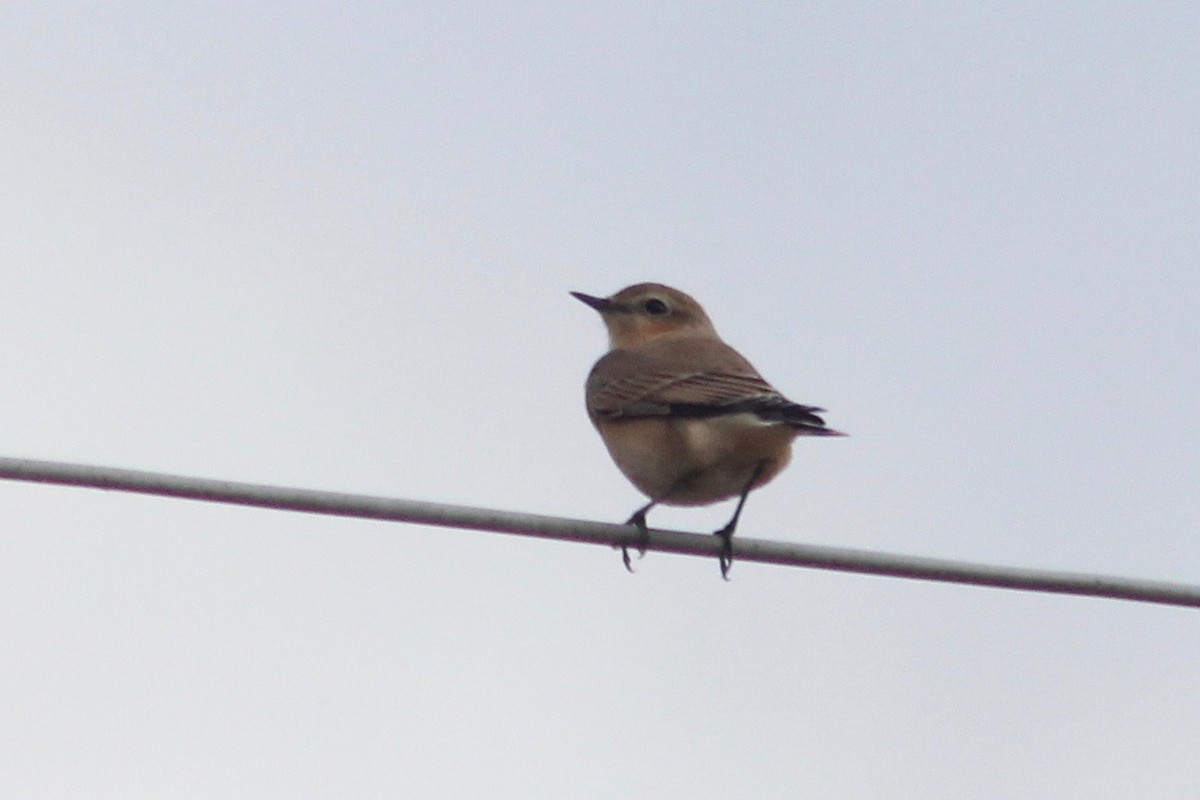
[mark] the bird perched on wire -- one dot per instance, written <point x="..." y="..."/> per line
<point x="685" y="417"/>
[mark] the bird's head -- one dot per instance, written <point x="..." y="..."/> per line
<point x="646" y="311"/>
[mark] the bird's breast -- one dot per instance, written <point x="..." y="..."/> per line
<point x="696" y="461"/>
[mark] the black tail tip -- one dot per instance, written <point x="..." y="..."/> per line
<point x="822" y="431"/>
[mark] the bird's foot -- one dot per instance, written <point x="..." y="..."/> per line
<point x="638" y="520"/>
<point x="725" y="557"/>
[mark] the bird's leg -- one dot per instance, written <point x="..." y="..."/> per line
<point x="726" y="534"/>
<point x="639" y="520"/>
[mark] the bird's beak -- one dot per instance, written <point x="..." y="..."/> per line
<point x="601" y="304"/>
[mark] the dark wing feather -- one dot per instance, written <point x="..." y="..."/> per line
<point x="645" y="391"/>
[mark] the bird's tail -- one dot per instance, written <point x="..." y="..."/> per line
<point x="804" y="420"/>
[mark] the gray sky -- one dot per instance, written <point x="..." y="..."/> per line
<point x="331" y="247"/>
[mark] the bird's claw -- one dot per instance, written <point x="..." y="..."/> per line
<point x="638" y="520"/>
<point x="626" y="559"/>
<point x="725" y="557"/>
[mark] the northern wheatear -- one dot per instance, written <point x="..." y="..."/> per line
<point x="685" y="417"/>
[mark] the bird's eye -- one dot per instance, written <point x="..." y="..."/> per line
<point x="655" y="307"/>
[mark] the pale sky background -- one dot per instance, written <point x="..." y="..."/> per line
<point x="330" y="247"/>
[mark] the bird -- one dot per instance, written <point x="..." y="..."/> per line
<point x="686" y="418"/>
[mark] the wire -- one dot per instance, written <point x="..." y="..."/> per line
<point x="573" y="530"/>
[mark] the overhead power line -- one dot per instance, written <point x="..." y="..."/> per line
<point x="573" y="530"/>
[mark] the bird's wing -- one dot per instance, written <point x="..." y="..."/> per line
<point x="626" y="384"/>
